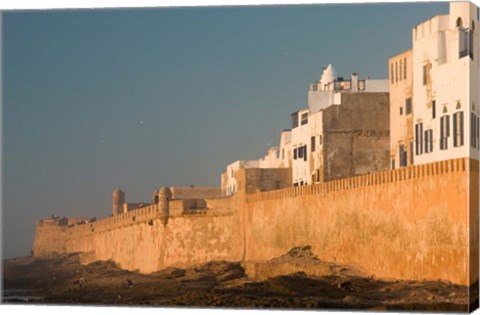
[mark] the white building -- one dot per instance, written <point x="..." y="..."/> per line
<point x="328" y="90"/>
<point x="445" y="67"/>
<point x="343" y="119"/>
<point x="276" y="157"/>
<point x="279" y="157"/>
<point x="402" y="139"/>
<point x="229" y="183"/>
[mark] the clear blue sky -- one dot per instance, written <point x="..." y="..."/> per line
<point x="209" y="84"/>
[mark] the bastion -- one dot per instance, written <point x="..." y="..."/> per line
<point x="419" y="222"/>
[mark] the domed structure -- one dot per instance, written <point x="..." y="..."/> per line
<point x="329" y="75"/>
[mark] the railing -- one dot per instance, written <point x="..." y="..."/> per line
<point x="372" y="179"/>
<point x="339" y="85"/>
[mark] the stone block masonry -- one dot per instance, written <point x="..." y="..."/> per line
<point x="418" y="222"/>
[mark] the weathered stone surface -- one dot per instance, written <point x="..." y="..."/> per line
<point x="414" y="223"/>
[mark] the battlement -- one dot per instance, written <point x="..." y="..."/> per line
<point x="65" y="222"/>
<point x="392" y="223"/>
<point x="146" y="214"/>
<point x="380" y="178"/>
<point x="224" y="206"/>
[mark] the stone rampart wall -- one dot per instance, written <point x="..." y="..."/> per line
<point x="412" y="223"/>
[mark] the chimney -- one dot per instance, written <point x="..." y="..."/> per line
<point x="354" y="82"/>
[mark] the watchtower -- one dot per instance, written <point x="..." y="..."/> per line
<point x="165" y="195"/>
<point x="118" y="199"/>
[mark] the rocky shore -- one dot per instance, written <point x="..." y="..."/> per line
<point x="306" y="282"/>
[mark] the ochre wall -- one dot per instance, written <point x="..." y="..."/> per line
<point x="251" y="180"/>
<point x="138" y="240"/>
<point x="151" y="246"/>
<point x="411" y="223"/>
<point x="196" y="192"/>
<point x="473" y="228"/>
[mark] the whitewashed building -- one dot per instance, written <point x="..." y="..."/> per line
<point x="276" y="157"/>
<point x="229" y="182"/>
<point x="402" y="139"/>
<point x="445" y="67"/>
<point x="343" y="132"/>
<point x="279" y="156"/>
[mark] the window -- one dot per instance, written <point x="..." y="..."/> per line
<point x="408" y="106"/>
<point x="458" y="129"/>
<point x="283" y="154"/>
<point x="305" y="152"/>
<point x="478" y="132"/>
<point x="312" y="143"/>
<point x="411" y="153"/>
<point x="391" y="73"/>
<point x="419" y="138"/>
<point x="473" y="131"/>
<point x="393" y="164"/>
<point x="424" y="74"/>
<point x="304" y="119"/>
<point x="459" y="22"/>
<point x="300" y="152"/>
<point x="317" y="175"/>
<point x="294" y="120"/>
<point x="320" y="140"/>
<point x="471" y="47"/>
<point x="434" y="109"/>
<point x="465" y="43"/>
<point x="444" y="132"/>
<point x="396" y="71"/>
<point x="295" y="153"/>
<point x="401" y="111"/>
<point x="400" y="70"/>
<point x="428" y="141"/>
<point x="402" y="155"/>
<point x="404" y="68"/>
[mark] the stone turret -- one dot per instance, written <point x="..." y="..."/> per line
<point x="164" y="197"/>
<point x="155" y="197"/>
<point x="118" y="199"/>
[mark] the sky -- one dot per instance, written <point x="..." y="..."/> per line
<point x="144" y="98"/>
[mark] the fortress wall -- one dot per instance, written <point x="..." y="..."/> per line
<point x="150" y="246"/>
<point x="195" y="192"/>
<point x="139" y="240"/>
<point x="49" y="239"/>
<point x="474" y="224"/>
<point x="251" y="180"/>
<point x="220" y="206"/>
<point x="410" y="223"/>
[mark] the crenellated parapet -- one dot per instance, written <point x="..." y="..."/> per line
<point x="392" y="224"/>
<point x="379" y="178"/>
